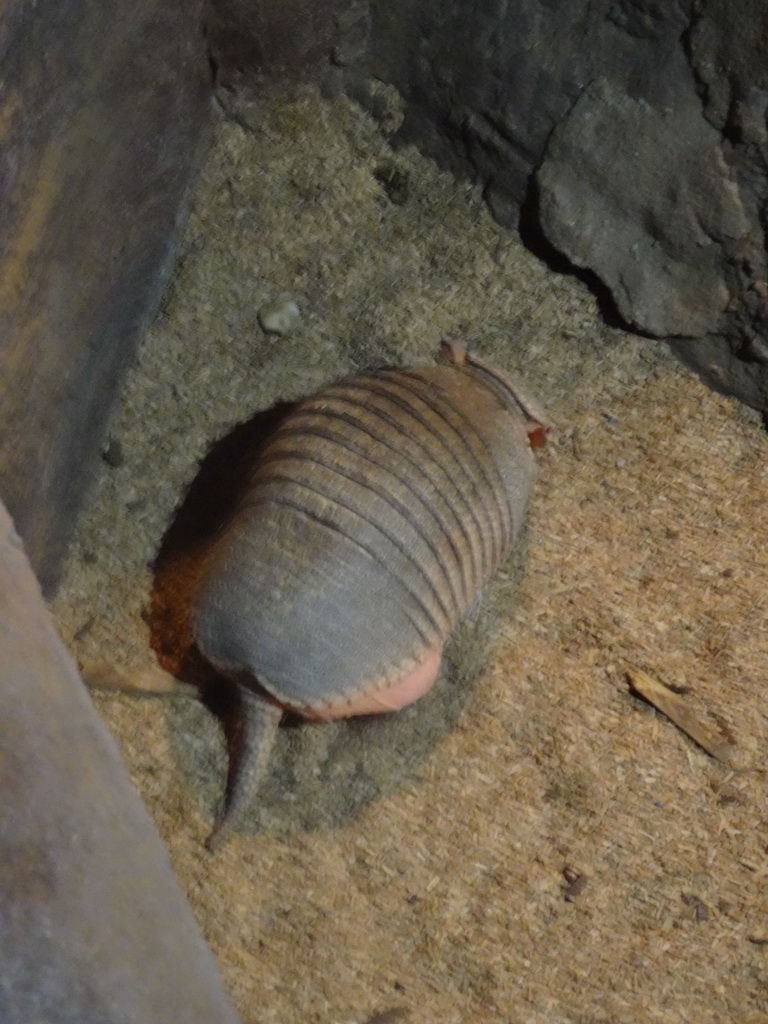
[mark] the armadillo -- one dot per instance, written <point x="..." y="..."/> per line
<point x="375" y="514"/>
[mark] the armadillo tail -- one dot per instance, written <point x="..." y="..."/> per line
<point x="252" y="746"/>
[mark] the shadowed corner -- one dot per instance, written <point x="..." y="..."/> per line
<point x="533" y="237"/>
<point x="208" y="505"/>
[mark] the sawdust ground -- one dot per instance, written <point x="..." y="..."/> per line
<point x="416" y="863"/>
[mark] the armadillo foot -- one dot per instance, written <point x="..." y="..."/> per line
<point x="257" y="729"/>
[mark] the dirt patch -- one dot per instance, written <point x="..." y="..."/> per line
<point x="530" y="842"/>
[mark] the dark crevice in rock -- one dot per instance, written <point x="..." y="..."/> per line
<point x="534" y="239"/>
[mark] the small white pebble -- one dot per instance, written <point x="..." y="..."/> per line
<point x="279" y="317"/>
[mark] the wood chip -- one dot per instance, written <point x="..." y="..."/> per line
<point x="148" y="682"/>
<point x="675" y="708"/>
<point x="700" y="911"/>
<point x="396" y="1013"/>
<point x="575" y="883"/>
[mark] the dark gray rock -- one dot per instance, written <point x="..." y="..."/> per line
<point x="726" y="44"/>
<point x="670" y="209"/>
<point x="647" y="122"/>
<point x="276" y="43"/>
<point x="726" y="367"/>
<point x="104" y="110"/>
<point x="643" y="197"/>
<point x="486" y="82"/>
<point x="94" y="928"/>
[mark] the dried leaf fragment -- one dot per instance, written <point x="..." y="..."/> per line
<point x="148" y="682"/>
<point x="675" y="708"/>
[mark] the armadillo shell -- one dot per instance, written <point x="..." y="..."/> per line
<point x="378" y="510"/>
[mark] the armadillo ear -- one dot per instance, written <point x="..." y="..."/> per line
<point x="453" y="352"/>
<point x="537" y="434"/>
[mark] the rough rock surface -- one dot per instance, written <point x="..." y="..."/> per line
<point x="93" y="926"/>
<point x="99" y="146"/>
<point x="647" y="124"/>
<point x="662" y="247"/>
<point x="278" y="42"/>
<point x="490" y="91"/>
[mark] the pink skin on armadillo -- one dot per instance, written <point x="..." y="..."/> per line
<point x="405" y="691"/>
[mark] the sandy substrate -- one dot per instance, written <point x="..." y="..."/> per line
<point x="417" y="864"/>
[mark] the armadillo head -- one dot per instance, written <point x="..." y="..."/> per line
<point x="510" y="390"/>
